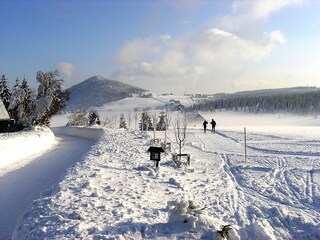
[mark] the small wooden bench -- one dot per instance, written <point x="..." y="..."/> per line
<point x="177" y="159"/>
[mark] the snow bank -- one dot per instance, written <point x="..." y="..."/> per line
<point x="83" y="132"/>
<point x="20" y="145"/>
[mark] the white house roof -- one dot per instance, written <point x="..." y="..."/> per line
<point x="3" y="112"/>
<point x="194" y="117"/>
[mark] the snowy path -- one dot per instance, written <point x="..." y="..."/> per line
<point x="20" y="187"/>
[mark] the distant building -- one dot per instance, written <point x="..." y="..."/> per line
<point x="195" y="119"/>
<point x="174" y="105"/>
<point x="4" y="118"/>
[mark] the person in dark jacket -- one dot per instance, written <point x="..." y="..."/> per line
<point x="205" y="126"/>
<point x="213" y="124"/>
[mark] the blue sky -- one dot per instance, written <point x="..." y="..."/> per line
<point x="182" y="46"/>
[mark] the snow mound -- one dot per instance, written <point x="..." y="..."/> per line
<point x="194" y="215"/>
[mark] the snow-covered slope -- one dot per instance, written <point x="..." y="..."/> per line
<point x="115" y="193"/>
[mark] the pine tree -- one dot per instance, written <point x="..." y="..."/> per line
<point x="145" y="122"/>
<point x="94" y="117"/>
<point x="123" y="123"/>
<point x="161" y="125"/>
<point x="28" y="104"/>
<point x="5" y="93"/>
<point x="15" y="101"/>
<point x="22" y="104"/>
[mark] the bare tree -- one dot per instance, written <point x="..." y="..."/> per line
<point x="114" y="120"/>
<point x="108" y="122"/>
<point x="135" y="120"/>
<point x="167" y="120"/>
<point x="129" y="120"/>
<point x="154" y="122"/>
<point x="180" y="130"/>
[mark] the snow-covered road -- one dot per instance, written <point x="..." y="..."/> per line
<point x="20" y="187"/>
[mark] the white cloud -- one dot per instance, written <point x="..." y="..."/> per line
<point x="66" y="68"/>
<point x="248" y="14"/>
<point x="222" y="58"/>
<point x="135" y="50"/>
<point x="206" y="61"/>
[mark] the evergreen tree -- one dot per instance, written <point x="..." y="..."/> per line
<point x="5" y="92"/>
<point x="29" y="103"/>
<point x="161" y="125"/>
<point x="15" y="101"/>
<point x="22" y="104"/>
<point x="123" y="123"/>
<point x="94" y="117"/>
<point x="145" y="122"/>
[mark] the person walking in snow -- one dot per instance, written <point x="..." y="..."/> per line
<point x="205" y="126"/>
<point x="213" y="124"/>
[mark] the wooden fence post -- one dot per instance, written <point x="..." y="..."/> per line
<point x="245" y="145"/>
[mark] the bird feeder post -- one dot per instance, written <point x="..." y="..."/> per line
<point x="155" y="154"/>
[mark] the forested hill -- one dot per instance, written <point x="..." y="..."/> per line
<point x="293" y="100"/>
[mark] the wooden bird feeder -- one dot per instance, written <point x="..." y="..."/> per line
<point x="155" y="154"/>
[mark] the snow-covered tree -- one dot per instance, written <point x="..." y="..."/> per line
<point x="78" y="118"/>
<point x="135" y="120"/>
<point x="22" y="105"/>
<point x="145" y="123"/>
<point x="180" y="130"/>
<point x="28" y="103"/>
<point x="161" y="125"/>
<point x="129" y="119"/>
<point x="108" y="122"/>
<point x="15" y="101"/>
<point x="50" y="98"/>
<point x="123" y="123"/>
<point x="154" y="123"/>
<point x="5" y="92"/>
<point x="167" y="120"/>
<point x="94" y="117"/>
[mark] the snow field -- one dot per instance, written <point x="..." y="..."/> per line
<point x="115" y="193"/>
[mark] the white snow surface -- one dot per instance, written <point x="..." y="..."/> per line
<point x="18" y="146"/>
<point x="115" y="192"/>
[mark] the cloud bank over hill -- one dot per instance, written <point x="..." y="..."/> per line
<point x="215" y="59"/>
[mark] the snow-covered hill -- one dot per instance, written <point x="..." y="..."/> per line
<point x="97" y="91"/>
<point x="115" y="193"/>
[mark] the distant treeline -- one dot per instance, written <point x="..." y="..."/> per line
<point x="299" y="103"/>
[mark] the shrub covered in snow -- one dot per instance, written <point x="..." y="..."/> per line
<point x="194" y="215"/>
